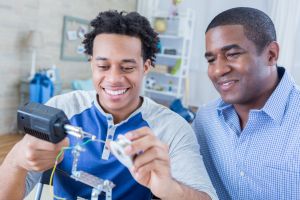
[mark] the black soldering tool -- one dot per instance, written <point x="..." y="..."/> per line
<point x="47" y="123"/>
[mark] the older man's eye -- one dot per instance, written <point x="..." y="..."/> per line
<point x="210" y="60"/>
<point x="103" y="67"/>
<point x="233" y="55"/>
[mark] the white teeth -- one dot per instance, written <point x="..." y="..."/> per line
<point x="115" y="92"/>
<point x="227" y="83"/>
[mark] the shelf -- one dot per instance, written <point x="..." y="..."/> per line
<point x="166" y="14"/>
<point x="167" y="93"/>
<point x="167" y="74"/>
<point x="168" y="56"/>
<point x="175" y="37"/>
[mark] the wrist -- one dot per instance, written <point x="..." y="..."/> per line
<point x="177" y="191"/>
<point x="13" y="163"/>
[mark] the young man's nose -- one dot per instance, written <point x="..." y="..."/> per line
<point x="114" y="75"/>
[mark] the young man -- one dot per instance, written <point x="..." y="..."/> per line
<point x="122" y="49"/>
<point x="250" y="137"/>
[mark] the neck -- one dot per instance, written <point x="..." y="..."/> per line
<point x="244" y="108"/>
<point x="121" y="115"/>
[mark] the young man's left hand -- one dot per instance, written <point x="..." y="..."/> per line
<point x="152" y="163"/>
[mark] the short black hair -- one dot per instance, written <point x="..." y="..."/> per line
<point x="258" y="27"/>
<point x="123" y="23"/>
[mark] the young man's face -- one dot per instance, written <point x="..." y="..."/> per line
<point x="235" y="68"/>
<point x="118" y="71"/>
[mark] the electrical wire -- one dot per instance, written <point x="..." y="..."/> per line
<point x="56" y="162"/>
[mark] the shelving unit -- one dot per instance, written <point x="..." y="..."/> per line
<point x="168" y="80"/>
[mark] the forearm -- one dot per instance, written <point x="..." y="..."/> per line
<point x="180" y="191"/>
<point x="12" y="179"/>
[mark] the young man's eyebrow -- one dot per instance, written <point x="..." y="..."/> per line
<point x="129" y="61"/>
<point x="126" y="60"/>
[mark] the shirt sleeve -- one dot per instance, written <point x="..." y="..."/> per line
<point x="32" y="179"/>
<point x="187" y="165"/>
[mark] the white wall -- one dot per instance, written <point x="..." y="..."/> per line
<point x="17" y="17"/>
<point x="201" y="89"/>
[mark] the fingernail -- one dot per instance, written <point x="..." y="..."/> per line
<point x="129" y="134"/>
<point x="133" y="169"/>
<point x="128" y="149"/>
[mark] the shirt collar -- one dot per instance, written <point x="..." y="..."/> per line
<point x="222" y="106"/>
<point x="110" y="117"/>
<point x="275" y="105"/>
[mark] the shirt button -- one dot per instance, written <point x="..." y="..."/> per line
<point x="109" y="137"/>
<point x="110" y="126"/>
<point x="242" y="173"/>
<point x="109" y="118"/>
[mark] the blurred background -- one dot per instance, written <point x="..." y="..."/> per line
<point x="41" y="44"/>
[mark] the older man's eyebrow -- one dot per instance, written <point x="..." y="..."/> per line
<point x="208" y="54"/>
<point x="100" y="58"/>
<point x="231" y="46"/>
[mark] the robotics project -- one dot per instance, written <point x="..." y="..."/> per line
<point x="51" y="124"/>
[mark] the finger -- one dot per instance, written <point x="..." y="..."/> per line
<point x="138" y="133"/>
<point x="107" y="143"/>
<point x="39" y="144"/>
<point x="42" y="165"/>
<point x="154" y="153"/>
<point x="64" y="143"/>
<point x="35" y="143"/>
<point x="143" y="144"/>
<point x="40" y="155"/>
<point x="156" y="166"/>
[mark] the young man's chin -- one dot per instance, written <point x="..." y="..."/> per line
<point x="116" y="107"/>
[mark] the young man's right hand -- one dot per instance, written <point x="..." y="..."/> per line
<point x="35" y="154"/>
<point x="29" y="154"/>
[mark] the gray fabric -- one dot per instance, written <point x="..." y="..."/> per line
<point x="32" y="179"/>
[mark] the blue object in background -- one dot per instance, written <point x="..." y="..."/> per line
<point x="83" y="85"/>
<point x="159" y="47"/>
<point x="177" y="107"/>
<point x="41" y="88"/>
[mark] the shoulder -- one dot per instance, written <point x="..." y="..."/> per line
<point x="158" y="115"/>
<point x="73" y="102"/>
<point x="208" y="109"/>
<point x="167" y="125"/>
<point x="206" y="115"/>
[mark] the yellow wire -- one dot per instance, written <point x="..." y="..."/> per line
<point x="56" y="162"/>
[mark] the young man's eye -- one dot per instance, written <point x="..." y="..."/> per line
<point x="127" y="69"/>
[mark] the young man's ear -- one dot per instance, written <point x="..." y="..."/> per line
<point x="147" y="66"/>
<point x="90" y="60"/>
<point x="273" y="53"/>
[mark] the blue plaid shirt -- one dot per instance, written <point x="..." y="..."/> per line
<point x="262" y="161"/>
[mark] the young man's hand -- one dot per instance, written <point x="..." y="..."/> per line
<point x="29" y="154"/>
<point x="152" y="163"/>
<point x="35" y="154"/>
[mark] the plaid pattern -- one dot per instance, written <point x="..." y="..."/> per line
<point x="262" y="161"/>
